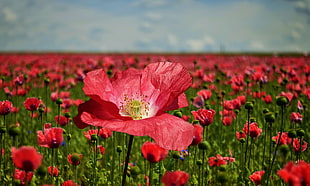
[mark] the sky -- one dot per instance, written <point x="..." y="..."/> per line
<point x="155" y="25"/>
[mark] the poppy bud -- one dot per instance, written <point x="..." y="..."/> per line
<point x="2" y="129"/>
<point x="265" y="110"/>
<point x="292" y="134"/>
<point x="284" y="149"/>
<point x="109" y="72"/>
<point x="236" y="111"/>
<point x="175" y="154"/>
<point x="41" y="110"/>
<point x="223" y="93"/>
<point x="67" y="115"/>
<point x="119" y="149"/>
<point x="242" y="140"/>
<point x="68" y="137"/>
<point x="178" y="114"/>
<point x="94" y="137"/>
<point x="270" y="117"/>
<point x="59" y="101"/>
<point x="300" y="133"/>
<point x="203" y="145"/>
<point x="252" y="119"/>
<point x="248" y="105"/>
<point x="281" y="101"/>
<point x="199" y="162"/>
<point x="14" y="131"/>
<point x="135" y="171"/>
<point x="42" y="170"/>
<point x="222" y="177"/>
<point x="46" y="81"/>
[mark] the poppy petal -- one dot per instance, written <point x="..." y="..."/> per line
<point x="168" y="131"/>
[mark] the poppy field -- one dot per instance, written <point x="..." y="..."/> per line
<point x="154" y="119"/>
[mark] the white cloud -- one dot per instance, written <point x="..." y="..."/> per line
<point x="9" y="15"/>
<point x="150" y="3"/>
<point x="256" y="45"/>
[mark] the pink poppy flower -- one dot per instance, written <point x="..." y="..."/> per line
<point x="134" y="102"/>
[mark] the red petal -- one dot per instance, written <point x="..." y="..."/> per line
<point x="170" y="79"/>
<point x="168" y="131"/>
<point x="103" y="110"/>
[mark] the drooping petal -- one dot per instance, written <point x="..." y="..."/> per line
<point x="103" y="110"/>
<point x="168" y="131"/>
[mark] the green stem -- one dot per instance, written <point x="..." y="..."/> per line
<point x="127" y="160"/>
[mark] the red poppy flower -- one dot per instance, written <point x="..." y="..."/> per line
<point x="296" y="145"/>
<point x="101" y="149"/>
<point x="153" y="152"/>
<point x="5" y="107"/>
<point x="63" y="121"/>
<point x="26" y="158"/>
<point x="296" y="174"/>
<point x="285" y="140"/>
<point x="296" y="117"/>
<point x="254" y="130"/>
<point x="267" y="99"/>
<point x="32" y="103"/>
<point x="135" y="101"/>
<point x="74" y="159"/>
<point x="69" y="183"/>
<point x="105" y="133"/>
<point x="20" y="175"/>
<point x="240" y="135"/>
<point x="206" y="94"/>
<point x="50" y="138"/>
<point x="176" y="178"/>
<point x="53" y="171"/>
<point x="227" y="120"/>
<point x="90" y="132"/>
<point x="217" y="161"/>
<point x="198" y="135"/>
<point x="256" y="177"/>
<point x="205" y="116"/>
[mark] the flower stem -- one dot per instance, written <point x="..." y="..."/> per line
<point x="127" y="160"/>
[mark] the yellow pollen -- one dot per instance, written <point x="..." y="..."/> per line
<point x="135" y="108"/>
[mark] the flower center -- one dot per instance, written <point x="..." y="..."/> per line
<point x="137" y="108"/>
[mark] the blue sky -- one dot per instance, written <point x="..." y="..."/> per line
<point x="155" y="25"/>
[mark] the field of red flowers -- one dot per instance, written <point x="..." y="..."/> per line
<point x="154" y="119"/>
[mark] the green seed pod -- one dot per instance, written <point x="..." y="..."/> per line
<point x="14" y="131"/>
<point x="242" y="140"/>
<point x="46" y="81"/>
<point x="135" y="171"/>
<point x="67" y="115"/>
<point x="59" y="101"/>
<point x="41" y="110"/>
<point x="178" y="114"/>
<point x="119" y="149"/>
<point x="300" y="133"/>
<point x="94" y="137"/>
<point x="2" y="129"/>
<point x="42" y="171"/>
<point x="265" y="110"/>
<point x="252" y="119"/>
<point x="69" y="137"/>
<point x="292" y="134"/>
<point x="281" y="101"/>
<point x="248" y="105"/>
<point x="175" y="154"/>
<point x="199" y="162"/>
<point x="203" y="145"/>
<point x="270" y="117"/>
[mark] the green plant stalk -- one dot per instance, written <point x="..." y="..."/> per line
<point x="247" y="139"/>
<point x="127" y="160"/>
<point x="278" y="143"/>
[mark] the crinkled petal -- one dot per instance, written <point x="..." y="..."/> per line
<point x="103" y="110"/>
<point x="164" y="83"/>
<point x="180" y="102"/>
<point x="168" y="131"/>
<point x="97" y="85"/>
